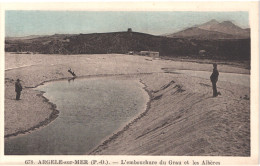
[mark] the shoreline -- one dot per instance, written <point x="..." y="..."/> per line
<point x="113" y="136"/>
<point x="151" y="134"/>
<point x="180" y="107"/>
<point x="55" y="113"/>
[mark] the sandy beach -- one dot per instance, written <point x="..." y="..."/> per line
<point x="181" y="118"/>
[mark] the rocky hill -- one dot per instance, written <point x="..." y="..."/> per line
<point x="123" y="42"/>
<point x="214" y="30"/>
<point x="196" y="33"/>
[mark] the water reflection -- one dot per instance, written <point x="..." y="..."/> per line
<point x="71" y="79"/>
<point x="90" y="110"/>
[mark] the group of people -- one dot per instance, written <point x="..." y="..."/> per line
<point x="213" y="78"/>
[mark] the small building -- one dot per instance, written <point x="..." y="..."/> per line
<point x="150" y="53"/>
<point x="130" y="52"/>
<point x="202" y="53"/>
<point x="129" y="30"/>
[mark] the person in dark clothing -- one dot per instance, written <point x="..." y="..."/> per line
<point x="214" y="79"/>
<point x="18" y="89"/>
<point x="72" y="73"/>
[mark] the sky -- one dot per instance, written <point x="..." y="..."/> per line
<point x="25" y="23"/>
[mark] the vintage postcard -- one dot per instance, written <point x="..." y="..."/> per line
<point x="129" y="83"/>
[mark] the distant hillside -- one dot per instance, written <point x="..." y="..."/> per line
<point x="214" y="30"/>
<point x="123" y="42"/>
<point x="199" y="33"/>
<point x="22" y="38"/>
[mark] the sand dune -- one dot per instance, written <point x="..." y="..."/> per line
<point x="182" y="117"/>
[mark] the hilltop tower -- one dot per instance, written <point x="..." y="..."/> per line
<point x="129" y="30"/>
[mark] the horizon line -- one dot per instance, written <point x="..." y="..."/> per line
<point x="163" y="34"/>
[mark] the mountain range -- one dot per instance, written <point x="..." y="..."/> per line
<point x="213" y="30"/>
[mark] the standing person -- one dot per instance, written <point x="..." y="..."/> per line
<point x="214" y="79"/>
<point x="18" y="89"/>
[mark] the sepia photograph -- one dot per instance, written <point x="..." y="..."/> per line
<point x="133" y="83"/>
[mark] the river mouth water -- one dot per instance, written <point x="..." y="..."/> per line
<point x="90" y="110"/>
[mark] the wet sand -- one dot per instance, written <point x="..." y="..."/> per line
<point x="182" y="117"/>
